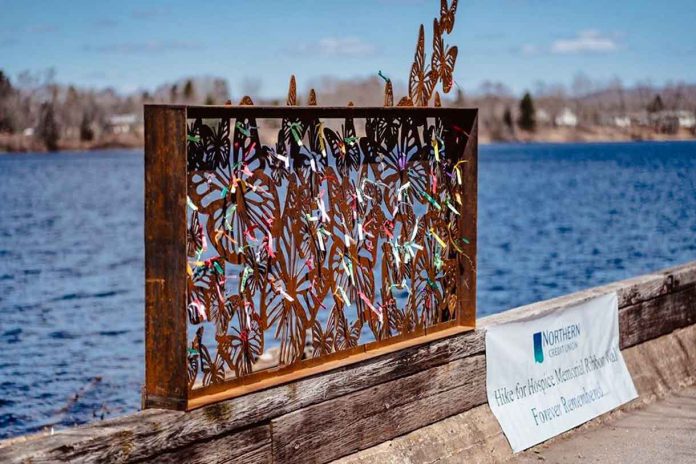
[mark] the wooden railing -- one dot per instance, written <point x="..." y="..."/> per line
<point x="285" y="241"/>
<point x="436" y="389"/>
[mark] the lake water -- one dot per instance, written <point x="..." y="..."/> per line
<point x="552" y="219"/>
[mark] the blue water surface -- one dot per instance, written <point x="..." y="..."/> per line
<point x="552" y="219"/>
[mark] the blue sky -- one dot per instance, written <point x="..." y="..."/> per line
<point x="133" y="44"/>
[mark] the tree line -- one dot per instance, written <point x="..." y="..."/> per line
<point x="34" y="108"/>
<point x="47" y="115"/>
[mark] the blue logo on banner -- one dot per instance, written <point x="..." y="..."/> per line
<point x="538" y="348"/>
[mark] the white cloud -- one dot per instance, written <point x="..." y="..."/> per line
<point x="590" y="41"/>
<point x="338" y="46"/>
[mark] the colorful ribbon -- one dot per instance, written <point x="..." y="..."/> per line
<point x="369" y="304"/>
<point x="284" y="159"/>
<point x="218" y="268"/>
<point x="437" y="237"/>
<point x="343" y="295"/>
<point x="296" y="130"/>
<point x="269" y="245"/>
<point x="456" y="170"/>
<point x="251" y="147"/>
<point x="403" y="188"/>
<point x="437" y="261"/>
<point x="320" y="231"/>
<point x="432" y="201"/>
<point x="190" y="203"/>
<point x="242" y="129"/>
<point x="321" y="139"/>
<point x="245" y="275"/>
<point x="278" y="287"/>
<point x="451" y="206"/>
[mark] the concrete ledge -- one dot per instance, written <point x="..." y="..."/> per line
<point x="659" y="432"/>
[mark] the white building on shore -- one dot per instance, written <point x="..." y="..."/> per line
<point x="566" y="118"/>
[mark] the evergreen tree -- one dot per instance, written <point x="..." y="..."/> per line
<point x="189" y="90"/>
<point x="5" y="85"/>
<point x="527" y="120"/>
<point x="86" y="132"/>
<point x="173" y="94"/>
<point x="48" y="127"/>
<point x="6" y="93"/>
<point x="507" y="119"/>
<point x="459" y="100"/>
<point x="656" y="105"/>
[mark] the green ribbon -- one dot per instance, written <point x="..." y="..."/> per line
<point x="229" y="213"/>
<point x="350" y="271"/>
<point x="242" y="129"/>
<point x="432" y="201"/>
<point x="295" y="130"/>
<point x="245" y="276"/>
<point x="218" y="268"/>
<point x="437" y="261"/>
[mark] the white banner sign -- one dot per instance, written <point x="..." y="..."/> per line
<point x="548" y="374"/>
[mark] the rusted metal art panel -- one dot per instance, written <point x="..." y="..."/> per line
<point x="283" y="239"/>
<point x="317" y="233"/>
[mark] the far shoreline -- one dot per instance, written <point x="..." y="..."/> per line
<point x="546" y="137"/>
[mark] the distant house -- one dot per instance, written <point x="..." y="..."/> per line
<point x="123" y="123"/>
<point x="623" y="122"/>
<point x="640" y="118"/>
<point x="670" y="122"/>
<point x="566" y="118"/>
<point x="687" y="119"/>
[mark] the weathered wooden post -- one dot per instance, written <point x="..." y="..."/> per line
<point x="165" y="257"/>
<point x="468" y="224"/>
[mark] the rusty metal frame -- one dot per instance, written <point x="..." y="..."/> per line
<point x="186" y="147"/>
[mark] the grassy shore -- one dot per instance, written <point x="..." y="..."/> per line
<point x="17" y="143"/>
<point x="588" y="134"/>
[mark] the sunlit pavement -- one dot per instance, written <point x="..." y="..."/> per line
<point x="664" y="431"/>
